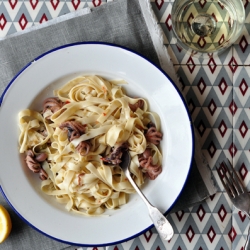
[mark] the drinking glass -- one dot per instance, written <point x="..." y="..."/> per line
<point x="207" y="27"/>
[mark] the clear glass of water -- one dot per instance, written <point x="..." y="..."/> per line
<point x="207" y="27"/>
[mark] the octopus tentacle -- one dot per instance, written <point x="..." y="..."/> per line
<point x="138" y="104"/>
<point x="153" y="136"/>
<point x="53" y="104"/>
<point x="74" y="128"/>
<point x="41" y="157"/>
<point x="83" y="147"/>
<point x="154" y="171"/>
<point x="43" y="175"/>
<point x="145" y="161"/>
<point x="34" y="163"/>
<point x="115" y="156"/>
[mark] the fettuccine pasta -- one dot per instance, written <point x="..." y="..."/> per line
<point x="76" y="142"/>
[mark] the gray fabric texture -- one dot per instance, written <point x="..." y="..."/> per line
<point x="120" y="22"/>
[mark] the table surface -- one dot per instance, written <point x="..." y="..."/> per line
<point x="218" y="95"/>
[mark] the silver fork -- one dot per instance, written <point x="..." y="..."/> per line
<point x="161" y="223"/>
<point x="236" y="191"/>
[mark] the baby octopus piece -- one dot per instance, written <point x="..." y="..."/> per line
<point x="75" y="129"/>
<point x="153" y="136"/>
<point x="43" y="175"/>
<point x="115" y="156"/>
<point x="83" y="147"/>
<point x="138" y="104"/>
<point x="146" y="164"/>
<point x="53" y="104"/>
<point x="34" y="163"/>
<point x="41" y="157"/>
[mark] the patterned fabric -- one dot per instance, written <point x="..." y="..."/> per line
<point x="218" y="96"/>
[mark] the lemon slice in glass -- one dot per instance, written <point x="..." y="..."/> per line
<point x="5" y="224"/>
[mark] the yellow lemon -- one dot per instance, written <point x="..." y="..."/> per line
<point x="5" y="224"/>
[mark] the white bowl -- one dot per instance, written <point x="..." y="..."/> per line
<point x="36" y="82"/>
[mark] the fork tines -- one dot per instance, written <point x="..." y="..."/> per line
<point x="230" y="179"/>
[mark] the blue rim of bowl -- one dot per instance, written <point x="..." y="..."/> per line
<point x="183" y="101"/>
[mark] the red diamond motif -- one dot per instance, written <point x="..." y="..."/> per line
<point x="243" y="129"/>
<point x="159" y="3"/>
<point x="179" y="48"/>
<point x="242" y="216"/>
<point x="243" y="171"/>
<point x="210" y="55"/>
<point x="201" y="213"/>
<point x="223" y="86"/>
<point x="191" y="106"/>
<point x="232" y="234"/>
<point x="211" y="234"/>
<point x="230" y="22"/>
<point x="190" y="233"/>
<point x="212" y="65"/>
<point x="13" y="3"/>
<point x="212" y="197"/>
<point x="96" y="2"/>
<point x="179" y="214"/>
<point x="193" y="53"/>
<point x="202" y="3"/>
<point x="3" y="21"/>
<point x="201" y="128"/>
<point x="43" y="18"/>
<point x="212" y="149"/>
<point x="246" y="3"/>
<point x="190" y="19"/>
<point x="183" y="37"/>
<point x="54" y="3"/>
<point x="233" y="108"/>
<point x="222" y="213"/>
<point x="75" y="3"/>
<point x="243" y="87"/>
<point x="221" y="5"/>
<point x="201" y="42"/>
<point x="243" y="43"/>
<point x="168" y="22"/>
<point x="212" y="107"/>
<point x="215" y="18"/>
<point x="232" y="150"/>
<point x="221" y="40"/>
<point x="233" y="64"/>
<point x="148" y="235"/>
<point x="201" y="85"/>
<point x="223" y="128"/>
<point x="33" y="3"/>
<point x="182" y="84"/>
<point x="23" y="21"/>
<point x="191" y="66"/>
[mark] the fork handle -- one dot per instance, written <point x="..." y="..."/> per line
<point x="247" y="245"/>
<point x="161" y="223"/>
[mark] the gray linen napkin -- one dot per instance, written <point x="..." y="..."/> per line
<point x="121" y="22"/>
